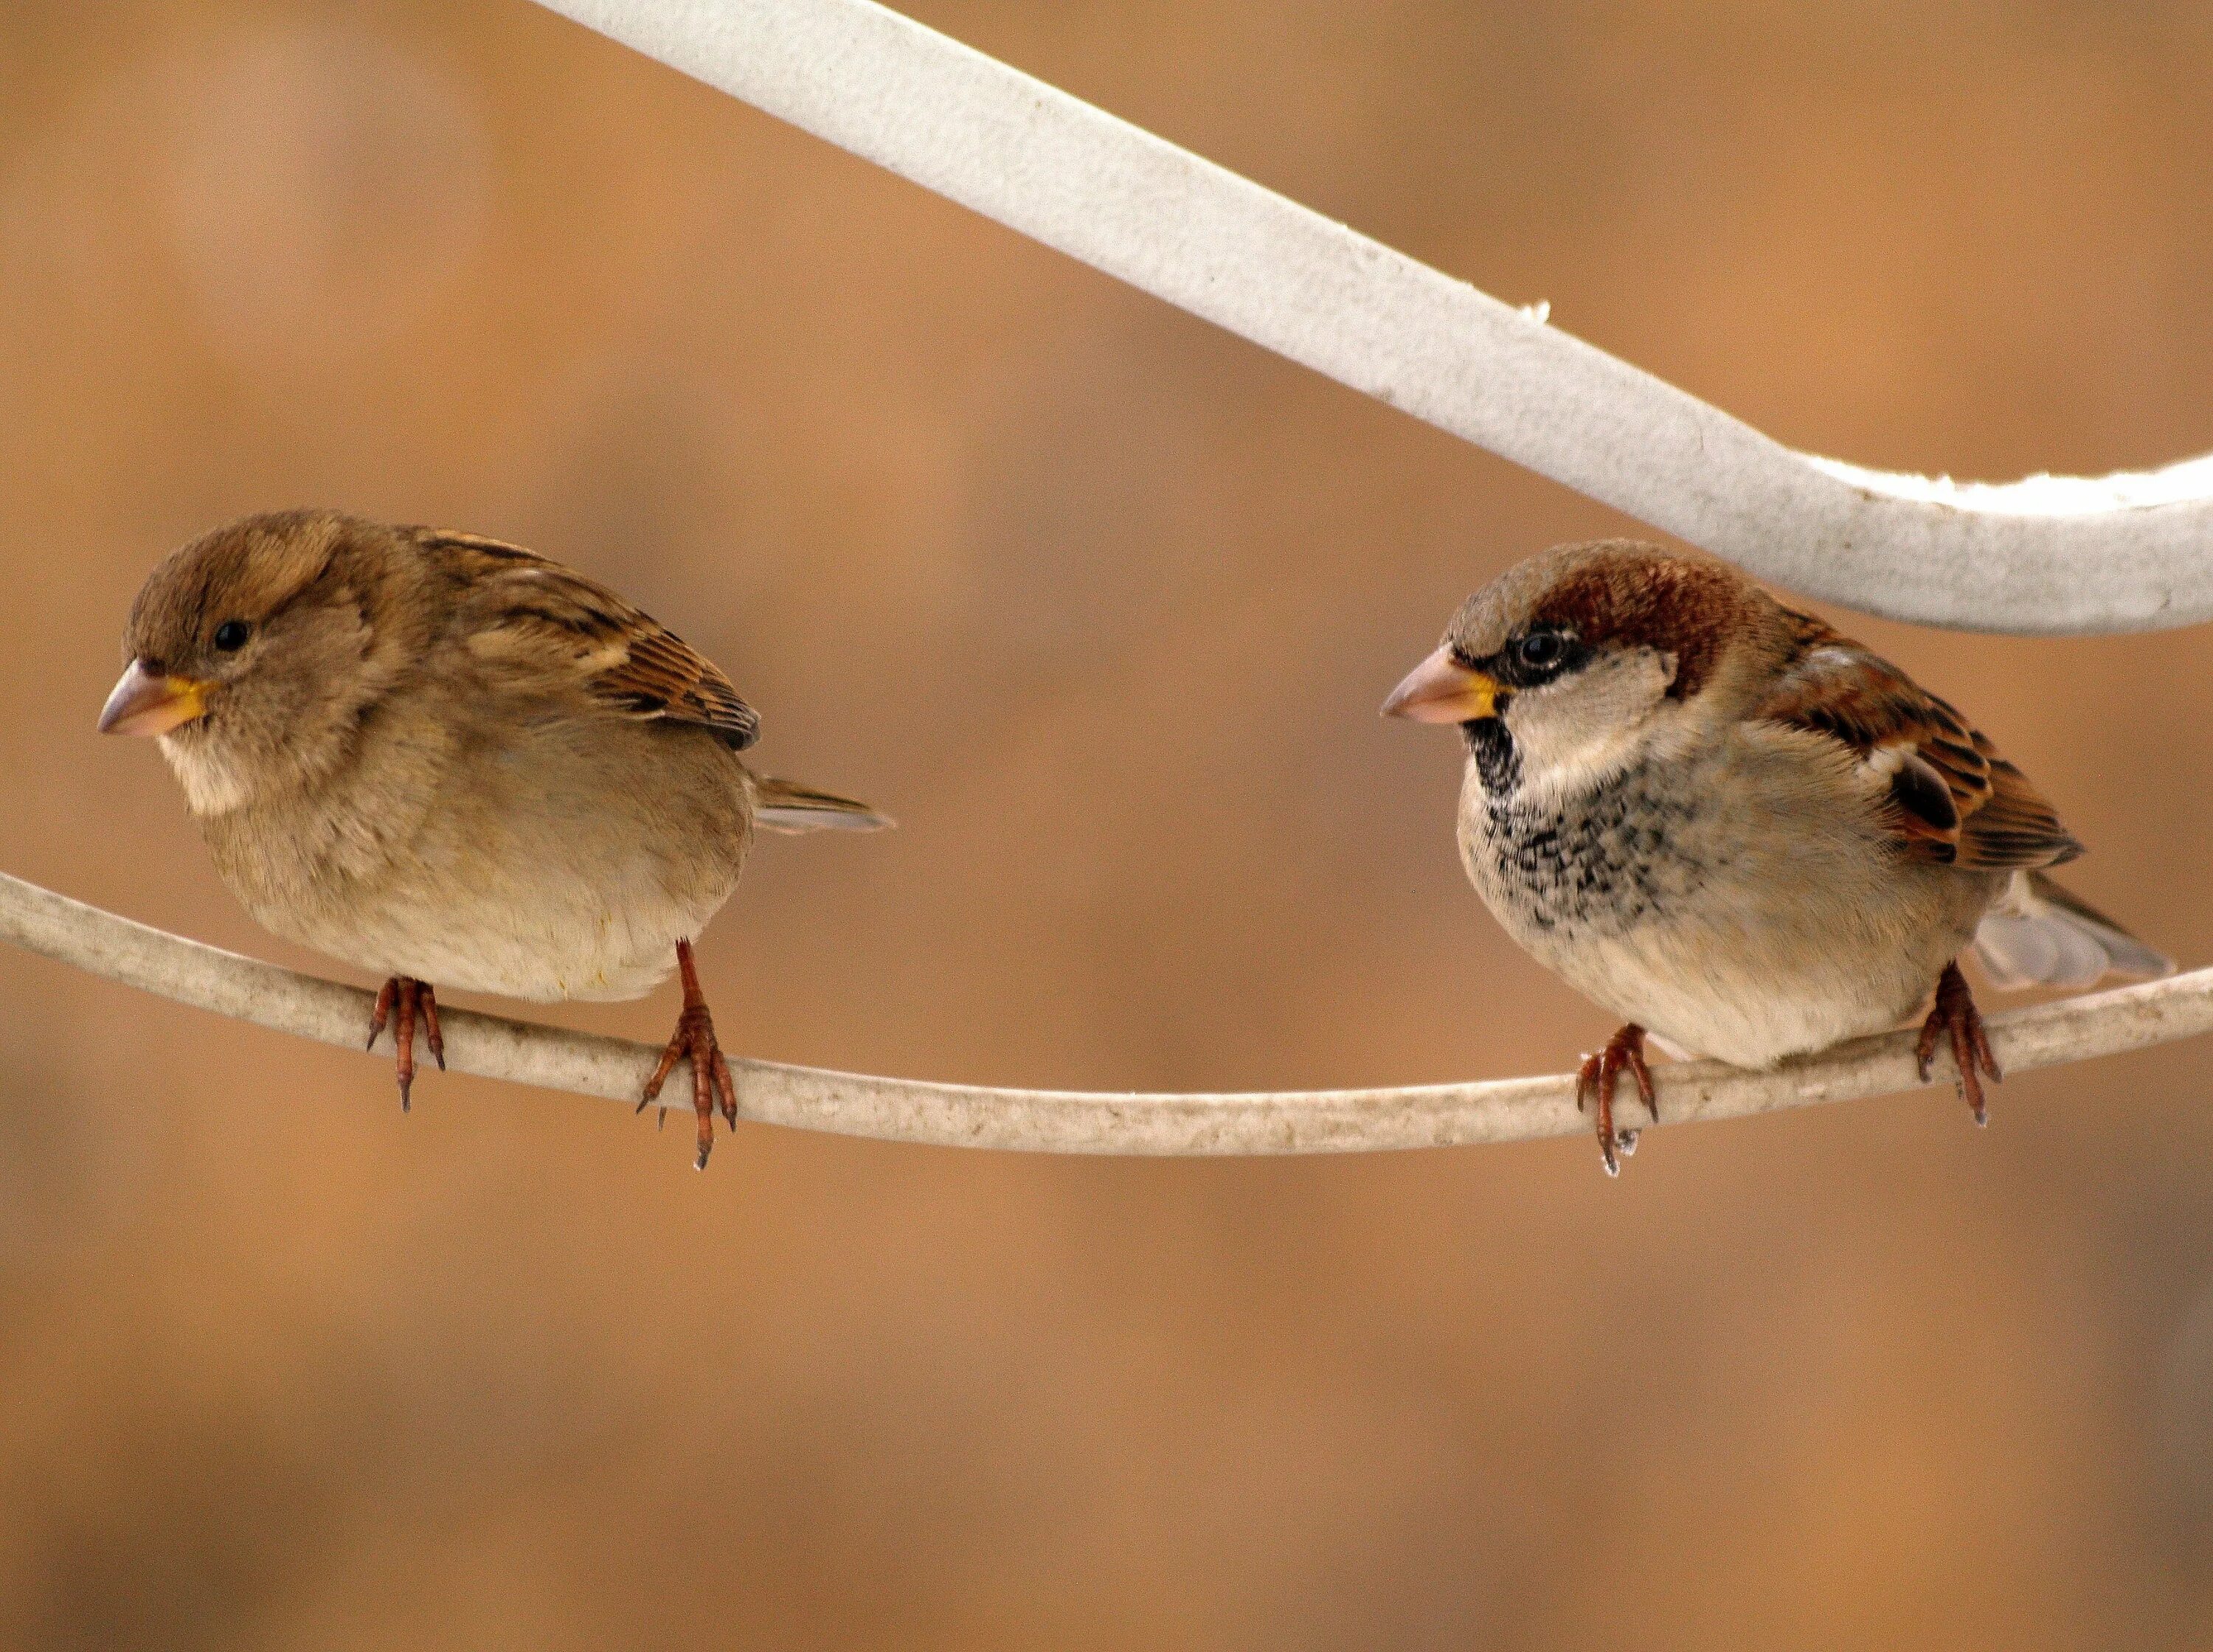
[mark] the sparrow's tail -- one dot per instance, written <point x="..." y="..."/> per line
<point x="2038" y="935"/>
<point x="787" y="806"/>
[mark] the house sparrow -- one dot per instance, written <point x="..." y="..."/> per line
<point x="1734" y="827"/>
<point x="446" y="759"/>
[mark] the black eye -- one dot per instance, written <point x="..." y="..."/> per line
<point x="231" y="635"/>
<point x="1540" y="649"/>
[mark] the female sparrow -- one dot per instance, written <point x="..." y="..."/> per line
<point x="1735" y="828"/>
<point x="445" y="759"/>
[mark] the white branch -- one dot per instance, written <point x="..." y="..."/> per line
<point x="1067" y="1121"/>
<point x="2046" y="555"/>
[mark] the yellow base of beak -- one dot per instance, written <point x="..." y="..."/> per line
<point x="145" y="703"/>
<point x="1442" y="690"/>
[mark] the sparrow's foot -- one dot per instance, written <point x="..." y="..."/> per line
<point x="1955" y="1017"/>
<point x="694" y="1041"/>
<point x="1595" y="1082"/>
<point x="399" y="1001"/>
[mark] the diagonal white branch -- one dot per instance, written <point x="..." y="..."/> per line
<point x="1066" y="1121"/>
<point x="2045" y="555"/>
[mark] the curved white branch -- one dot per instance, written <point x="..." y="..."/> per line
<point x="2045" y="555"/>
<point x="1067" y="1121"/>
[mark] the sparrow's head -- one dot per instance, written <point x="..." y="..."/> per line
<point x="251" y="652"/>
<point x="1578" y="663"/>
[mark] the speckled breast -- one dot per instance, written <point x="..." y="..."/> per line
<point x="1596" y="865"/>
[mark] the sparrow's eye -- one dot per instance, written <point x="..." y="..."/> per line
<point x="1541" y="649"/>
<point x="231" y="635"/>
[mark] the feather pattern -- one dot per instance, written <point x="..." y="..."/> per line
<point x="1954" y="800"/>
<point x="514" y="600"/>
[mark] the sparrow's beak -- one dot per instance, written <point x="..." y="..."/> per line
<point x="148" y="703"/>
<point x="1442" y="690"/>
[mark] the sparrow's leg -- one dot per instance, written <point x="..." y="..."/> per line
<point x="399" y="1000"/>
<point x="1955" y="1017"/>
<point x="694" y="1039"/>
<point x="1595" y="1082"/>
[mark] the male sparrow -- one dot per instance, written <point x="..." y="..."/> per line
<point x="444" y="759"/>
<point x="1736" y="828"/>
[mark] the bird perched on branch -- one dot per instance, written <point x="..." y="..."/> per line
<point x="446" y="759"/>
<point x="1737" y="829"/>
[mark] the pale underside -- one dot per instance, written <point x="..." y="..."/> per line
<point x="567" y="865"/>
<point x="1782" y="923"/>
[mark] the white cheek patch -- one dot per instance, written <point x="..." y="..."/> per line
<point x="1592" y="724"/>
<point x="211" y="786"/>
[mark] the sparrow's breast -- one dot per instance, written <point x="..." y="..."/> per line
<point x="1737" y="903"/>
<point x="540" y="863"/>
<point x="1561" y="873"/>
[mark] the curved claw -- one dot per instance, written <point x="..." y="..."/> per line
<point x="1954" y="1019"/>
<point x="1595" y="1082"/>
<point x="694" y="1041"/>
<point x="399" y="1001"/>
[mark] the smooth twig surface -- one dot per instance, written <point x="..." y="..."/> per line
<point x="2047" y="555"/>
<point x="1067" y="1121"/>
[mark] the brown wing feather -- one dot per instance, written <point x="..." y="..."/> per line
<point x="1954" y="799"/>
<point x="622" y="657"/>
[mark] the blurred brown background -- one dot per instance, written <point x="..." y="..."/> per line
<point x="1100" y="602"/>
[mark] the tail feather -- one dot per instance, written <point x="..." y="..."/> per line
<point x="2039" y="935"/>
<point x="787" y="806"/>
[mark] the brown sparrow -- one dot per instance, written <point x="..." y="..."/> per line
<point x="444" y="759"/>
<point x="1735" y="828"/>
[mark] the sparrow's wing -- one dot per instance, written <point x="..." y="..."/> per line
<point x="1954" y="799"/>
<point x="551" y="624"/>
